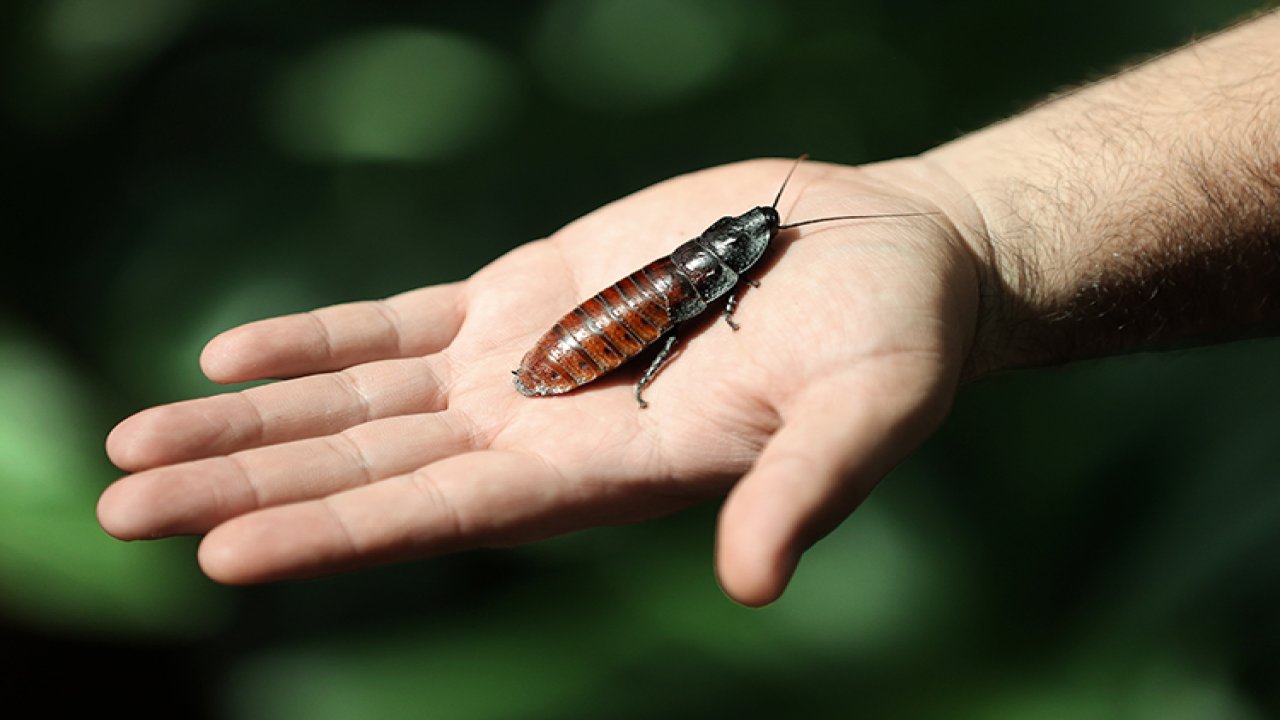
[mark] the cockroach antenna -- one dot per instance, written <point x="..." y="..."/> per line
<point x="787" y="179"/>
<point x="814" y="221"/>
<point x="788" y="226"/>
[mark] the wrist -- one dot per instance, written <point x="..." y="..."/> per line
<point x="976" y="230"/>
<point x="1140" y="212"/>
<point x="1007" y="241"/>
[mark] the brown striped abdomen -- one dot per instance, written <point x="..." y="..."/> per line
<point x="606" y="330"/>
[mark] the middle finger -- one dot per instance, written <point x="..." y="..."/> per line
<point x="195" y="496"/>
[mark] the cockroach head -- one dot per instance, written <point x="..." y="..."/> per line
<point x="771" y="216"/>
<point x="740" y="241"/>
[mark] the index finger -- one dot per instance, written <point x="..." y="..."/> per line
<point x="485" y="498"/>
<point x="465" y="501"/>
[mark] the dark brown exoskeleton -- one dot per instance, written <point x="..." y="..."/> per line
<point x="623" y="319"/>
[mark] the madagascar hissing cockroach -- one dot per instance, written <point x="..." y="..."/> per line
<point x="633" y="313"/>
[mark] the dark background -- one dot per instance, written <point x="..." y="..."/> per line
<point x="1099" y="541"/>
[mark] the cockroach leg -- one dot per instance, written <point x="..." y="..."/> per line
<point x="729" y="307"/>
<point x="663" y="355"/>
<point x="732" y="304"/>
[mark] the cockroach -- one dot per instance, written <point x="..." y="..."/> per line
<point x="623" y="319"/>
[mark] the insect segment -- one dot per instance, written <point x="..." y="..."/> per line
<point x="620" y="321"/>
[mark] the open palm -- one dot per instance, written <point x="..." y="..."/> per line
<point x="401" y="435"/>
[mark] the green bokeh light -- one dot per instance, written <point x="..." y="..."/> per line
<point x="871" y="586"/>
<point x="83" y="30"/>
<point x="623" y="56"/>
<point x="57" y="568"/>
<point x="487" y="673"/>
<point x="82" y="51"/>
<point x="1162" y="683"/>
<point x="391" y="95"/>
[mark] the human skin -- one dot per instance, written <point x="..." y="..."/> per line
<point x="1104" y="221"/>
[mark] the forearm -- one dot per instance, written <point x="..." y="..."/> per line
<point x="1139" y="212"/>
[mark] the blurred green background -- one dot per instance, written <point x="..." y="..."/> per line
<point x="1100" y="541"/>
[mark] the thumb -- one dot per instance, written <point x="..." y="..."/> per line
<point x="836" y="441"/>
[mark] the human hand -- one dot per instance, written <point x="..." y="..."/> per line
<point x="401" y="436"/>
